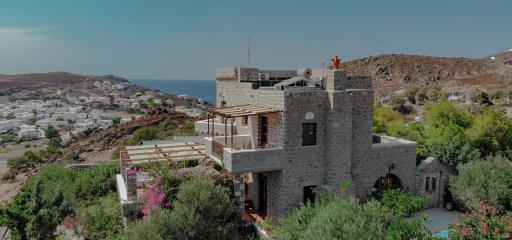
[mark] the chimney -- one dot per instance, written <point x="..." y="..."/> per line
<point x="335" y="79"/>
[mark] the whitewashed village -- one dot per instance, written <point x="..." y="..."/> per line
<point x="22" y="120"/>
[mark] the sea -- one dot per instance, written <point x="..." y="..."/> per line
<point x="203" y="89"/>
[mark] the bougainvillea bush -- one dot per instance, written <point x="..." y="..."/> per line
<point x="483" y="223"/>
<point x="163" y="193"/>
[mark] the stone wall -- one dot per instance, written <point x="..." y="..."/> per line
<point x="266" y="159"/>
<point x="201" y="127"/>
<point x="305" y="164"/>
<point x="402" y="154"/>
<point x="338" y="155"/>
<point x="275" y="196"/>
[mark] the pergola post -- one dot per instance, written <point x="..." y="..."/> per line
<point x="213" y="126"/>
<point x="225" y="131"/>
<point x="232" y="132"/>
<point x="208" y="117"/>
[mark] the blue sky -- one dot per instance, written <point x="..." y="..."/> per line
<point x="189" y="39"/>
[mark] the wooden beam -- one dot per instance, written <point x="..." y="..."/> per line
<point x="165" y="152"/>
<point x="163" y="159"/>
<point x="163" y="147"/>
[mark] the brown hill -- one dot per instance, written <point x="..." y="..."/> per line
<point x="51" y="79"/>
<point x="396" y="71"/>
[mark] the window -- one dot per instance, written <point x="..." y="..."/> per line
<point x="434" y="182"/>
<point x="222" y="104"/>
<point x="427" y="183"/>
<point x="308" y="134"/>
<point x="245" y="120"/>
<point x="309" y="194"/>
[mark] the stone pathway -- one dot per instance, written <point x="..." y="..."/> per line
<point x="440" y="218"/>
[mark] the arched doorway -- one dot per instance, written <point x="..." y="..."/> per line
<point x="390" y="181"/>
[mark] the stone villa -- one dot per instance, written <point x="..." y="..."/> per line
<point x="284" y="134"/>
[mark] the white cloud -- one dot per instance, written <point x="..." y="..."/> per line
<point x="14" y="37"/>
<point x="26" y="49"/>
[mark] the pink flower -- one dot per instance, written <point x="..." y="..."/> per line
<point x="466" y="231"/>
<point x="485" y="228"/>
<point x="497" y="230"/>
<point x="509" y="229"/>
<point x="69" y="224"/>
<point x="154" y="197"/>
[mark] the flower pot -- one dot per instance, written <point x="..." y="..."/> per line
<point x="449" y="206"/>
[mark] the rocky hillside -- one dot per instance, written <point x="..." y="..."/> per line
<point x="51" y="79"/>
<point x="396" y="71"/>
<point x="47" y="85"/>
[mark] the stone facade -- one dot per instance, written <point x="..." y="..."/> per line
<point x="344" y="148"/>
<point x="432" y="180"/>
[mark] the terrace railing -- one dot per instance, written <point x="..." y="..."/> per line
<point x="218" y="149"/>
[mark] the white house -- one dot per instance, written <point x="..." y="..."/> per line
<point x="30" y="132"/>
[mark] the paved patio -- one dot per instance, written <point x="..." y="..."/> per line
<point x="440" y="218"/>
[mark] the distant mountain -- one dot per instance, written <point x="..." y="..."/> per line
<point x="52" y="79"/>
<point x="390" y="73"/>
<point x="397" y="71"/>
<point x="504" y="57"/>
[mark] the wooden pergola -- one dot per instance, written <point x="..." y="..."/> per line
<point x="175" y="152"/>
<point x="232" y="113"/>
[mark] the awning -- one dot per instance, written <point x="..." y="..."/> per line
<point x="242" y="110"/>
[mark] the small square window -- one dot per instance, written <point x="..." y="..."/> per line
<point x="427" y="183"/>
<point x="308" y="134"/>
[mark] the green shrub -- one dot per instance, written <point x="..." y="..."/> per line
<point x="201" y="211"/>
<point x="144" y="133"/>
<point x="91" y="184"/>
<point x="401" y="203"/>
<point x="436" y="94"/>
<point x="52" y="194"/>
<point x="491" y="131"/>
<point x="101" y="220"/>
<point x="397" y="103"/>
<point x="338" y="219"/>
<point x="24" y="162"/>
<point x="51" y="132"/>
<point x="480" y="97"/>
<point x="453" y="151"/>
<point x="40" y="205"/>
<point x="334" y="217"/>
<point x="383" y="117"/>
<point x="489" y="181"/>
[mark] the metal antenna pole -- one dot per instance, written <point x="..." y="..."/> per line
<point x="249" y="51"/>
<point x="249" y="57"/>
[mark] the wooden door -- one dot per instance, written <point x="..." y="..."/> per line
<point x="263" y="131"/>
<point x="262" y="195"/>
